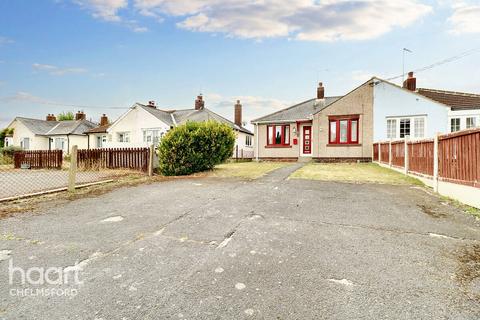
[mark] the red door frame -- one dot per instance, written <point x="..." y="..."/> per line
<point x="309" y="151"/>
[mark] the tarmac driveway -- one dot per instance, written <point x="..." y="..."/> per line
<point x="232" y="249"/>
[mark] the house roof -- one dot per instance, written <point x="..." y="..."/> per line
<point x="301" y="111"/>
<point x="456" y="100"/>
<point x="175" y="117"/>
<point x="47" y="128"/>
<point x="99" y="129"/>
<point x="37" y="126"/>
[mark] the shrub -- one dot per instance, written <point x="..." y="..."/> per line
<point x="9" y="151"/>
<point x="195" y="147"/>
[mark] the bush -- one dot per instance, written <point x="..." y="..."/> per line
<point x="195" y="147"/>
<point x="9" y="151"/>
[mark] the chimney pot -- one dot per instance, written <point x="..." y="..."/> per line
<point x="238" y="113"/>
<point x="104" y="120"/>
<point x="80" y="116"/>
<point x="199" y="103"/>
<point x="411" y="82"/>
<point x="320" y="91"/>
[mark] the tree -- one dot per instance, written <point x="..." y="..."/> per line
<point x="64" y="116"/>
<point x="3" y="134"/>
<point x="195" y="147"/>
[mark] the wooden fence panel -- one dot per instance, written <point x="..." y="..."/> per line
<point x="398" y="154"/>
<point x="385" y="152"/>
<point x="459" y="157"/>
<point x="38" y="159"/>
<point x="115" y="158"/>
<point x="375" y="151"/>
<point x="420" y="157"/>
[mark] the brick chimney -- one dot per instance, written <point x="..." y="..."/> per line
<point x="80" y="116"/>
<point x="238" y="114"/>
<point x="199" y="103"/>
<point x="411" y="82"/>
<point x="320" y="91"/>
<point x="151" y="103"/>
<point x="51" y="117"/>
<point x="103" y="120"/>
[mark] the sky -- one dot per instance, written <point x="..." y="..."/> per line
<point x="102" y="56"/>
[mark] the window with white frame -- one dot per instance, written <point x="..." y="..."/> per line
<point x="454" y="124"/>
<point x="124" y="137"/>
<point x="60" y="143"/>
<point x="25" y="143"/>
<point x="419" y="128"/>
<point x="152" y="136"/>
<point x="248" y="140"/>
<point x="471" y="122"/>
<point x="404" y="128"/>
<point x="391" y="128"/>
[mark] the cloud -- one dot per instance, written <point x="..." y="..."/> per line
<point x="57" y="71"/>
<point x="108" y="10"/>
<point x="465" y="18"/>
<point x="22" y="96"/>
<point x="253" y="107"/>
<point x="104" y="9"/>
<point x="328" y="20"/>
<point x="5" y="41"/>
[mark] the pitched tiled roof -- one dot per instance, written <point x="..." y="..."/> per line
<point x="176" y="117"/>
<point x="301" y="111"/>
<point x="99" y="129"/>
<point x="456" y="100"/>
<point x="37" y="126"/>
<point x="43" y="127"/>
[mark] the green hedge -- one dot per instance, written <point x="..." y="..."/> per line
<point x="195" y="147"/>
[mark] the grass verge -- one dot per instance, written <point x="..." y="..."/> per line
<point x="246" y="170"/>
<point x="353" y="173"/>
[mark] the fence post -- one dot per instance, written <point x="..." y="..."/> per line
<point x="72" y="173"/>
<point x="406" y="155"/>
<point x="150" y="160"/>
<point x="390" y="153"/>
<point x="435" y="162"/>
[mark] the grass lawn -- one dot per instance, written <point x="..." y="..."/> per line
<point x="352" y="173"/>
<point x="247" y="170"/>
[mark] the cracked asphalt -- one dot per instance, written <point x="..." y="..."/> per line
<point x="272" y="248"/>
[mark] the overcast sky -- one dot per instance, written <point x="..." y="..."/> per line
<point x="106" y="55"/>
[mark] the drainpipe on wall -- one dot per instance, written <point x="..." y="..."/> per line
<point x="68" y="144"/>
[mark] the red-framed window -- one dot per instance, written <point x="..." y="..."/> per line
<point x="343" y="130"/>
<point x="278" y="135"/>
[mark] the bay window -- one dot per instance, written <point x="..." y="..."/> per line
<point x="278" y="135"/>
<point x="343" y="131"/>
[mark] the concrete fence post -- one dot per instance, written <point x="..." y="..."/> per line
<point x="390" y="153"/>
<point x="435" y="162"/>
<point x="406" y="155"/>
<point x="379" y="152"/>
<point x="72" y="172"/>
<point x="151" y="156"/>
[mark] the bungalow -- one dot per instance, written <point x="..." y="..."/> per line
<point x="344" y="128"/>
<point x="50" y="134"/>
<point x="143" y="125"/>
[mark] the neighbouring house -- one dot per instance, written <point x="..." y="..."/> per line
<point x="464" y="107"/>
<point x="97" y="137"/>
<point x="344" y="128"/>
<point x="143" y="125"/>
<point x="50" y="134"/>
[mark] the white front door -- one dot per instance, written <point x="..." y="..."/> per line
<point x="306" y="140"/>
